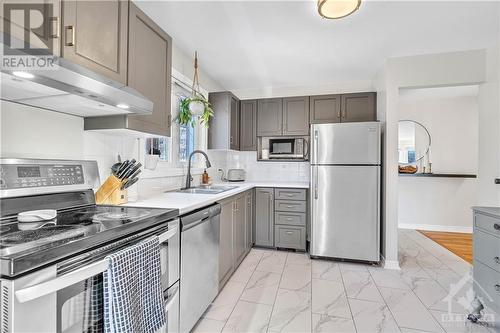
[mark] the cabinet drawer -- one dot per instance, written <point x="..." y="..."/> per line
<point x="290" y="206"/>
<point x="487" y="223"/>
<point x="487" y="249"/>
<point x="487" y="285"/>
<point x="290" y="237"/>
<point x="290" y="218"/>
<point x="290" y="194"/>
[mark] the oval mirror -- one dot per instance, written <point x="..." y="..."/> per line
<point x="414" y="141"/>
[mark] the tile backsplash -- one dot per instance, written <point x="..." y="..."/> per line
<point x="257" y="171"/>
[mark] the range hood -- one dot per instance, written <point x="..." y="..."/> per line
<point x="72" y="89"/>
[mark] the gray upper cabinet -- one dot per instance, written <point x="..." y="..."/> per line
<point x="325" y="109"/>
<point x="296" y="116"/>
<point x="270" y="117"/>
<point x="248" y="125"/>
<point x="150" y="67"/>
<point x="224" y="129"/>
<point x="359" y="107"/>
<point x="264" y="217"/>
<point x="95" y="36"/>
<point x="149" y="72"/>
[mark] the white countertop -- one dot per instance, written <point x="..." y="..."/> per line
<point x="187" y="202"/>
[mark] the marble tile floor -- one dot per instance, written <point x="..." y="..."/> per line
<point x="277" y="291"/>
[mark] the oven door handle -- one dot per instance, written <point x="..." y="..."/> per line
<point x="171" y="300"/>
<point x="48" y="287"/>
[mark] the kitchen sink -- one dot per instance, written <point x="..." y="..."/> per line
<point x="208" y="189"/>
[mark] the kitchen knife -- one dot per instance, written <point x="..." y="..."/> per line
<point x="122" y="168"/>
<point x="129" y="165"/>
<point x="135" y="174"/>
<point x="130" y="182"/>
<point x="132" y="170"/>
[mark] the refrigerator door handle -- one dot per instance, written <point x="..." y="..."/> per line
<point x="315" y="183"/>
<point x="316" y="148"/>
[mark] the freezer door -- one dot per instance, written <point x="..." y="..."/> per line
<point x="345" y="221"/>
<point x="345" y="143"/>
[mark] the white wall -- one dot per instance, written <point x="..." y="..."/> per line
<point x="451" y="116"/>
<point x="434" y="70"/>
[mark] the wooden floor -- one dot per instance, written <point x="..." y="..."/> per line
<point x="458" y="243"/>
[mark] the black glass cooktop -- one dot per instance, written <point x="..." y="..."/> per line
<point x="16" y="237"/>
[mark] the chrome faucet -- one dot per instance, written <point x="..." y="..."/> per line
<point x="189" y="178"/>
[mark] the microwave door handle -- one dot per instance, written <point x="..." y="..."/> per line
<point x="48" y="287"/>
<point x="306" y="149"/>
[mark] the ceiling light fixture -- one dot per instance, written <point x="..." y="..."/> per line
<point x="24" y="75"/>
<point x="335" y="9"/>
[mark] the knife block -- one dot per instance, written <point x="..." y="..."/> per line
<point x="110" y="193"/>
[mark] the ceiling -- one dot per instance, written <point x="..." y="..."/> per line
<point x="255" y="44"/>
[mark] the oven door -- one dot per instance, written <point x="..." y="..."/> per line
<point x="76" y="293"/>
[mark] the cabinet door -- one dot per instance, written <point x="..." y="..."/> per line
<point x="45" y="36"/>
<point x="95" y="36"/>
<point x="234" y="138"/>
<point x="264" y="217"/>
<point x="239" y="243"/>
<point x="325" y="109"/>
<point x="249" y="220"/>
<point x="226" y="240"/>
<point x="150" y="56"/>
<point x="270" y="117"/>
<point x="296" y="116"/>
<point x="359" y="107"/>
<point x="248" y="125"/>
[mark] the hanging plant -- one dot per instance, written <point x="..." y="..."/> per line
<point x="188" y="117"/>
<point x="196" y="106"/>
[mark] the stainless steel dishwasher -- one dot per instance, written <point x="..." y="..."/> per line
<point x="199" y="280"/>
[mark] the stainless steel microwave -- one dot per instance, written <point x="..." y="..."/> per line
<point x="288" y="148"/>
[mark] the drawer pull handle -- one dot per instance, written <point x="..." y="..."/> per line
<point x="289" y="219"/>
<point x="289" y="206"/>
<point x="291" y="232"/>
<point x="497" y="260"/>
<point x="70" y="33"/>
<point x="496" y="226"/>
<point x="497" y="287"/>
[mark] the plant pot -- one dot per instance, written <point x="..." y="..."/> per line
<point x="151" y="161"/>
<point x="197" y="108"/>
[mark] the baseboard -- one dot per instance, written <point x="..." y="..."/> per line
<point x="433" y="227"/>
<point x="392" y="264"/>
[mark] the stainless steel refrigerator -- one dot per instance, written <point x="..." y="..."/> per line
<point x="345" y="191"/>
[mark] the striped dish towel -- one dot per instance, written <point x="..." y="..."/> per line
<point x="133" y="298"/>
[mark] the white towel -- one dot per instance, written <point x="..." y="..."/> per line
<point x="133" y="298"/>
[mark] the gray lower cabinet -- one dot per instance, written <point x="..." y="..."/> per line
<point x="235" y="229"/>
<point x="248" y="125"/>
<point x="264" y="217"/>
<point x="325" y="109"/>
<point x="249" y="214"/>
<point x="95" y="36"/>
<point x="359" y="107"/>
<point x="290" y="218"/>
<point x="296" y="116"/>
<point x="226" y="240"/>
<point x="239" y="229"/>
<point x="224" y="130"/>
<point x="487" y="256"/>
<point x="270" y="117"/>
